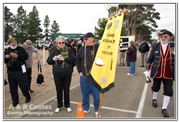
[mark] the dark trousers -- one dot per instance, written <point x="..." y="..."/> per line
<point x="17" y="78"/>
<point x="29" y="76"/>
<point x="62" y="83"/>
<point x="167" y="83"/>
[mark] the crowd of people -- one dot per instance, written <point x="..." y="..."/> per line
<point x="159" y="65"/>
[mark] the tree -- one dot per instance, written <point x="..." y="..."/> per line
<point x="8" y="20"/>
<point x="55" y="27"/>
<point x="100" y="30"/>
<point x="102" y="23"/>
<point x="138" y="15"/>
<point x="46" y="25"/>
<point x="143" y="33"/>
<point x="34" y="30"/>
<point x="20" y="25"/>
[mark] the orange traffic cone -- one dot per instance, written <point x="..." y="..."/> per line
<point x="80" y="112"/>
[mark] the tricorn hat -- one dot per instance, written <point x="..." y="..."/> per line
<point x="165" y="31"/>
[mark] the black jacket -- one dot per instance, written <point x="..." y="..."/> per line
<point x="155" y="58"/>
<point x="57" y="66"/>
<point x="144" y="47"/>
<point x="89" y="58"/>
<point x="17" y="63"/>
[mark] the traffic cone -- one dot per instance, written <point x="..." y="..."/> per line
<point x="80" y="112"/>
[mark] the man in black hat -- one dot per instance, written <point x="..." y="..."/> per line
<point x="162" y="63"/>
<point x="15" y="57"/>
<point x="84" y="61"/>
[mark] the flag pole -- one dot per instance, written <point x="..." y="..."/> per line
<point x="100" y="104"/>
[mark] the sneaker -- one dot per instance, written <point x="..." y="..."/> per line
<point x="57" y="110"/>
<point x="154" y="103"/>
<point x="165" y="113"/>
<point x="69" y="109"/>
<point x="128" y="74"/>
<point x="96" y="113"/>
<point x="86" y="111"/>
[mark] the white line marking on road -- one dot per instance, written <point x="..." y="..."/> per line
<point x="142" y="100"/>
<point x="109" y="108"/>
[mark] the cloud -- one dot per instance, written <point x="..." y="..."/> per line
<point x="167" y="14"/>
<point x="82" y="18"/>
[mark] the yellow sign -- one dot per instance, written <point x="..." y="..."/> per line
<point x="104" y="66"/>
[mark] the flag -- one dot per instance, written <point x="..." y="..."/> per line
<point x="104" y="66"/>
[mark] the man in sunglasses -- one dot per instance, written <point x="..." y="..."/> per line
<point x="161" y="63"/>
<point x="84" y="61"/>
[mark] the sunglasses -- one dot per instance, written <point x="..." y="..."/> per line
<point x="61" y="42"/>
<point x="164" y="37"/>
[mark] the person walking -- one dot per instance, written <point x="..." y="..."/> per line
<point x="62" y="58"/>
<point x="131" y="58"/>
<point x="15" y="57"/>
<point x="161" y="61"/>
<point x="30" y="49"/>
<point x="84" y="61"/>
<point x="144" y="49"/>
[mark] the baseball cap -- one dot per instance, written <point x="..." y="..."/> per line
<point x="89" y="34"/>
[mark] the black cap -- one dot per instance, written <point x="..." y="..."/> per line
<point x="165" y="31"/>
<point x="89" y="34"/>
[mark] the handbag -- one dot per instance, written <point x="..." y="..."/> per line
<point x="40" y="77"/>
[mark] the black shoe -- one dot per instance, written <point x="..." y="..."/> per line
<point x="154" y="103"/>
<point x="15" y="104"/>
<point x="165" y="113"/>
<point x="142" y="66"/>
<point x="31" y="91"/>
<point x="28" y="100"/>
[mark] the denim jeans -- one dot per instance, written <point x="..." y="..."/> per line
<point x="86" y="88"/>
<point x="132" y="67"/>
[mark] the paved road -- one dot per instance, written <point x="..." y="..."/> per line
<point x="130" y="99"/>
